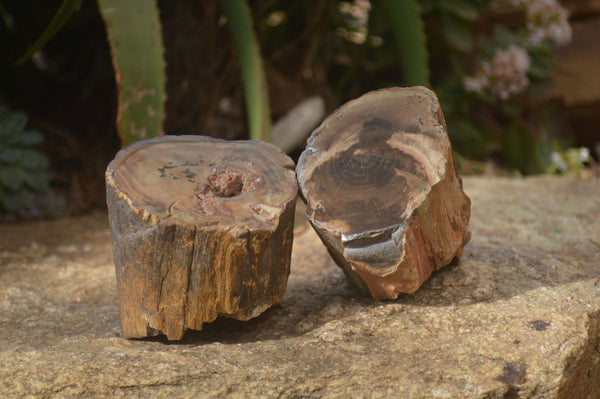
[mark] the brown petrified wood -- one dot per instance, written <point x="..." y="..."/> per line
<point x="200" y="228"/>
<point x="382" y="192"/>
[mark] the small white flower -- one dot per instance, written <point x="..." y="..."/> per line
<point x="558" y="161"/>
<point x="546" y="20"/>
<point x="476" y="84"/>
<point x="584" y="154"/>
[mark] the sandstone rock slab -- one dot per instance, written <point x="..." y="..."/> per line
<point x="519" y="317"/>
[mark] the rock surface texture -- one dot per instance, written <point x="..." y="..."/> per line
<point x="519" y="317"/>
<point x="379" y="181"/>
<point x="200" y="228"/>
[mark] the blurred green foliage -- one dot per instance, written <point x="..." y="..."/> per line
<point x="521" y="131"/>
<point x="453" y="46"/>
<point x="362" y="45"/>
<point x="134" y="34"/>
<point x="24" y="170"/>
<point x="63" y="14"/>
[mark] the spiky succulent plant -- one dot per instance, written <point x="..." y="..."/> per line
<point x="23" y="169"/>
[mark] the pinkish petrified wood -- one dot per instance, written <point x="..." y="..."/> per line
<point x="382" y="192"/>
<point x="200" y="228"/>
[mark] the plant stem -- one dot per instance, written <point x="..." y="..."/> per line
<point x="239" y="20"/>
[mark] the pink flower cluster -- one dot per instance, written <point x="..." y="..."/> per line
<point x="504" y="75"/>
<point x="546" y="20"/>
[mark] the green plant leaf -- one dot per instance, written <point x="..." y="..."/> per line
<point x="64" y="13"/>
<point x="12" y="177"/>
<point x="13" y="123"/>
<point x="457" y="33"/>
<point x="409" y="31"/>
<point x="33" y="160"/>
<point x="37" y="181"/>
<point x="542" y="63"/>
<point x="543" y="154"/>
<point x="134" y="34"/>
<point x="538" y="71"/>
<point x="13" y="201"/>
<point x="7" y="18"/>
<point x="11" y="155"/>
<point x="239" y="21"/>
<point x="428" y="6"/>
<point x="504" y="36"/>
<point x="30" y="138"/>
<point x="519" y="147"/>
<point x="467" y="138"/>
<point x="464" y="9"/>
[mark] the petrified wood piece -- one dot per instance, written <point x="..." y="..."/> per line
<point x="200" y="228"/>
<point x="382" y="192"/>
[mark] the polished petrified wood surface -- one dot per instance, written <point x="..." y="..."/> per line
<point x="382" y="192"/>
<point x="201" y="228"/>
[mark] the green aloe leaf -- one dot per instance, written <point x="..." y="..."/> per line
<point x="134" y="33"/>
<point x="64" y="13"/>
<point x="239" y="20"/>
<point x="409" y="31"/>
<point x="12" y="177"/>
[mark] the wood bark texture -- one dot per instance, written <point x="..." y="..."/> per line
<point x="382" y="192"/>
<point x="200" y="228"/>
